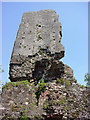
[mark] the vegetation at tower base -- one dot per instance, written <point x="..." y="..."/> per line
<point x="42" y="87"/>
<point x="57" y="101"/>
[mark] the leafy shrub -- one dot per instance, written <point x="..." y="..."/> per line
<point x="41" y="87"/>
<point x="45" y="106"/>
<point x="48" y="104"/>
<point x="35" y="82"/>
<point x="81" y="85"/>
<point x="63" y="81"/>
<point x="24" y="118"/>
<point x="67" y="83"/>
<point x="60" y="81"/>
<point x="37" y="117"/>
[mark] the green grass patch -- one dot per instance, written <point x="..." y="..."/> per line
<point x="81" y="86"/>
<point x="63" y="81"/>
<point x="70" y="100"/>
<point x="67" y="83"/>
<point x="16" y="84"/>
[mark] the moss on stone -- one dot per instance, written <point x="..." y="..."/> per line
<point x="63" y="100"/>
<point x="70" y="100"/>
<point x="41" y="52"/>
<point x="38" y="117"/>
<point x="24" y="46"/>
<point x="67" y="83"/>
<point x="66" y="108"/>
<point x="58" y="81"/>
<point x="57" y="102"/>
<point x="23" y="114"/>
<point x="81" y="86"/>
<point x="63" y="81"/>
<point x="45" y="105"/>
<point x="15" y="107"/>
<point x="39" y="37"/>
<point x="24" y="117"/>
<point x="16" y="84"/>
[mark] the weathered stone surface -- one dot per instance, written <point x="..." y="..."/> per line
<point x="38" y="30"/>
<point x="42" y="87"/>
<point x="38" y="42"/>
<point x="57" y="102"/>
<point x="19" y="99"/>
<point x="68" y="73"/>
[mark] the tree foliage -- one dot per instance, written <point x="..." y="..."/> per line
<point x="87" y="79"/>
<point x="1" y="70"/>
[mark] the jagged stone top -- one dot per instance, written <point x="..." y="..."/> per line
<point x="37" y="47"/>
<point x="38" y="30"/>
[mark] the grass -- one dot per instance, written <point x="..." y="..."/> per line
<point x="62" y="81"/>
<point x="70" y="100"/>
<point x="16" y="84"/>
<point x="67" y="83"/>
<point x="45" y="106"/>
<point x="24" y="118"/>
<point x="81" y="85"/>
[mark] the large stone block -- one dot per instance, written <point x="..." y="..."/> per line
<point x="38" y="41"/>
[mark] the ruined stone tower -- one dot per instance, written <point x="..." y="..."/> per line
<point x="42" y="87"/>
<point x="37" y="47"/>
